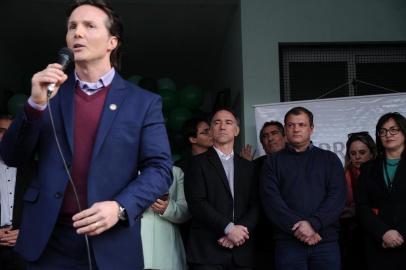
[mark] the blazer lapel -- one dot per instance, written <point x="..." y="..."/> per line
<point x="238" y="176"/>
<point x="112" y="106"/>
<point x="66" y="100"/>
<point x="216" y="162"/>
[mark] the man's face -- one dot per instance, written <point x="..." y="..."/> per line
<point x="203" y="137"/>
<point x="272" y="139"/>
<point x="224" y="127"/>
<point x="298" y="130"/>
<point x="88" y="35"/>
<point x="4" y="125"/>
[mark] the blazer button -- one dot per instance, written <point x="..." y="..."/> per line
<point x="58" y="195"/>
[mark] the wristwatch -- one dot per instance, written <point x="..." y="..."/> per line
<point x="122" y="213"/>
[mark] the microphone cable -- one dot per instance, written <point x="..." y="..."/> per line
<point x="89" y="257"/>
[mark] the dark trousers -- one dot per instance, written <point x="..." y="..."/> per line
<point x="295" y="255"/>
<point x="10" y="260"/>
<point x="65" y="250"/>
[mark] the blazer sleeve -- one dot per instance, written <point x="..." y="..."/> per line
<point x="177" y="210"/>
<point x="369" y="220"/>
<point x="196" y="197"/>
<point x="155" y="165"/>
<point x="250" y="218"/>
<point x="20" y="141"/>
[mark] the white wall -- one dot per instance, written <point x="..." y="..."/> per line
<point x="266" y="23"/>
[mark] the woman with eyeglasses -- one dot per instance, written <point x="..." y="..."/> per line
<point x="360" y="149"/>
<point x="381" y="196"/>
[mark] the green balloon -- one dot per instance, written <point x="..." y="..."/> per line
<point x="191" y="97"/>
<point x="166" y="83"/>
<point x="135" y="79"/>
<point x="169" y="99"/>
<point x="16" y="104"/>
<point x="178" y="116"/>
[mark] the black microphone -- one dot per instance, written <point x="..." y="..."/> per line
<point x="65" y="56"/>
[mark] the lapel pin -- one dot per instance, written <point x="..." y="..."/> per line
<point x="113" y="107"/>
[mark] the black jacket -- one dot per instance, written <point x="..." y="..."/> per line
<point x="210" y="202"/>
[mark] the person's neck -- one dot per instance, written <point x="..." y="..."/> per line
<point x="196" y="150"/>
<point x="226" y="148"/>
<point x="394" y="153"/>
<point x="91" y="73"/>
<point x="301" y="148"/>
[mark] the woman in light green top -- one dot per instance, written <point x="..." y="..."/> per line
<point x="161" y="240"/>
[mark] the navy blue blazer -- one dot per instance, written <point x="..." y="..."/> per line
<point x="130" y="164"/>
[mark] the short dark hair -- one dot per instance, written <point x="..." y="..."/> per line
<point x="272" y="123"/>
<point x="297" y="111"/>
<point x="227" y="110"/>
<point x="189" y="128"/>
<point x="6" y="117"/>
<point x="114" y="25"/>
<point x="400" y="121"/>
<point x="363" y="137"/>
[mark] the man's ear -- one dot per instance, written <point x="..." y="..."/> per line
<point x="237" y="131"/>
<point x="192" y="140"/>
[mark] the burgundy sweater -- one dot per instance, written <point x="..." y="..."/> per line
<point x="88" y="110"/>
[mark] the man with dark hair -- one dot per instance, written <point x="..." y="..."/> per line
<point x="111" y="159"/>
<point x="13" y="183"/>
<point x="272" y="137"/>
<point x="221" y="191"/>
<point x="196" y="132"/>
<point x="303" y="194"/>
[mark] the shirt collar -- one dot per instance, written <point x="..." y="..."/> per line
<point x="224" y="156"/>
<point x="104" y="81"/>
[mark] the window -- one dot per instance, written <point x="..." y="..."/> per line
<point x="310" y="71"/>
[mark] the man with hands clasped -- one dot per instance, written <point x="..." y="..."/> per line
<point x="221" y="193"/>
<point x="303" y="194"/>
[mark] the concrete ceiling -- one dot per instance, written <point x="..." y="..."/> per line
<point x="180" y="39"/>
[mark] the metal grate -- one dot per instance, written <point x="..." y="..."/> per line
<point x="312" y="71"/>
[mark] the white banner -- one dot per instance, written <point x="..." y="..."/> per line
<point x="335" y="118"/>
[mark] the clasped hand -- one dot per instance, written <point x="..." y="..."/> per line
<point x="237" y="236"/>
<point x="304" y="231"/>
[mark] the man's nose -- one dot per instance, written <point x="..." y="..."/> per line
<point x="78" y="31"/>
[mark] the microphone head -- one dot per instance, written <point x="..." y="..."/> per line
<point x="65" y="56"/>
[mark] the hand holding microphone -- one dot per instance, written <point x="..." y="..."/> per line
<point x="46" y="82"/>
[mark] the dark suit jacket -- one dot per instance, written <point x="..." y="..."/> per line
<point x="130" y="164"/>
<point x="209" y="200"/>
<point x="24" y="175"/>
<point x="381" y="210"/>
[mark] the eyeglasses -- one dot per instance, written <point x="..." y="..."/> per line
<point x="358" y="134"/>
<point x="205" y="132"/>
<point x="392" y="131"/>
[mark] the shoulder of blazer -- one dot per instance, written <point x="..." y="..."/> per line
<point x="119" y="83"/>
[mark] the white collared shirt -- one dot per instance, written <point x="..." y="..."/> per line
<point x="7" y="189"/>
<point x="224" y="156"/>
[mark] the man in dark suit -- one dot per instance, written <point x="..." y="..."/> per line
<point x="113" y="141"/>
<point x="221" y="191"/>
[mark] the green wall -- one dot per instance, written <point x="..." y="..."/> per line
<point x="266" y="23"/>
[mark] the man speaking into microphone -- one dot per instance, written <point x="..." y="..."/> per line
<point x="110" y="137"/>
